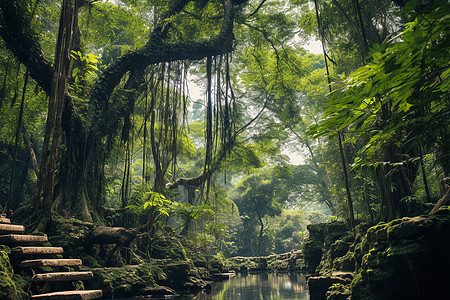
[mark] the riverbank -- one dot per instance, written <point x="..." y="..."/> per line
<point x="170" y="277"/>
<point x="189" y="274"/>
<point x="403" y="259"/>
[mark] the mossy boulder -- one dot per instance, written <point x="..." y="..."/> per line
<point x="8" y="289"/>
<point x="177" y="274"/>
<point x="406" y="258"/>
<point x="319" y="285"/>
<point x="217" y="262"/>
<point x="126" y="280"/>
<point x="285" y="262"/>
<point x="71" y="234"/>
<point x="90" y="261"/>
<point x="321" y="237"/>
<point x="140" y="280"/>
<point x="349" y="261"/>
<point x="242" y="264"/>
<point x="339" y="292"/>
<point x="331" y="255"/>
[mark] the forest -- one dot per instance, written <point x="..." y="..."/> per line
<point x="210" y="136"/>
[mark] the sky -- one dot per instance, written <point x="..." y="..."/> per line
<point x="314" y="47"/>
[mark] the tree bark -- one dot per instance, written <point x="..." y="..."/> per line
<point x="346" y="181"/>
<point x="44" y="197"/>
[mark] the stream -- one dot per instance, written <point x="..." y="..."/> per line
<point x="262" y="286"/>
<point x="267" y="286"/>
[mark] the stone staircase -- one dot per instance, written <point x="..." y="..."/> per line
<point x="28" y="252"/>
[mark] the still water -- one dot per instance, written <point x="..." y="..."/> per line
<point x="261" y="286"/>
<point x="257" y="286"/>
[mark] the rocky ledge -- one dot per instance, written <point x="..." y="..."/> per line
<point x="154" y="278"/>
<point x="403" y="259"/>
<point x="285" y="262"/>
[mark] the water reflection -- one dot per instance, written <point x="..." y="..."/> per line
<point x="263" y="286"/>
<point x="260" y="286"/>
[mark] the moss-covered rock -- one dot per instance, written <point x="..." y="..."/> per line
<point x="126" y="280"/>
<point x="319" y="285"/>
<point x="290" y="261"/>
<point x="339" y="292"/>
<point x="144" y="279"/>
<point x="177" y="274"/>
<point x="331" y="254"/>
<point x="8" y="289"/>
<point x="404" y="259"/>
<point x="321" y="237"/>
<point x="195" y="284"/>
<point x="349" y="261"/>
<point x="71" y="234"/>
<point x="242" y="264"/>
<point x="90" y="261"/>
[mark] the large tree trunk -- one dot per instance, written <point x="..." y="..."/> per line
<point x="46" y="180"/>
<point x="81" y="178"/>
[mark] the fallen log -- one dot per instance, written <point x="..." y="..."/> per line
<point x="112" y="235"/>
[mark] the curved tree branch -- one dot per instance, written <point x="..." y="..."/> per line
<point x="22" y="41"/>
<point x="16" y="31"/>
<point x="156" y="50"/>
<point x="257" y="8"/>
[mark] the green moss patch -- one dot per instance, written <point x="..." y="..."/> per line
<point x="8" y="289"/>
<point x="126" y="280"/>
<point x="404" y="259"/>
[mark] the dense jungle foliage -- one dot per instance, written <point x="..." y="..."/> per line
<point x="99" y="121"/>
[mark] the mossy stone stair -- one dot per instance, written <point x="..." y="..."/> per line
<point x="54" y="262"/>
<point x="41" y="251"/>
<point x="9" y="228"/>
<point x="62" y="276"/>
<point x="18" y="239"/>
<point x="28" y="251"/>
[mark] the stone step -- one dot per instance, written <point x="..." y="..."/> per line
<point x="50" y="262"/>
<point x="69" y="295"/>
<point x="5" y="220"/>
<point x="13" y="239"/>
<point x="9" y="228"/>
<point x="36" y="250"/>
<point x="62" y="276"/>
